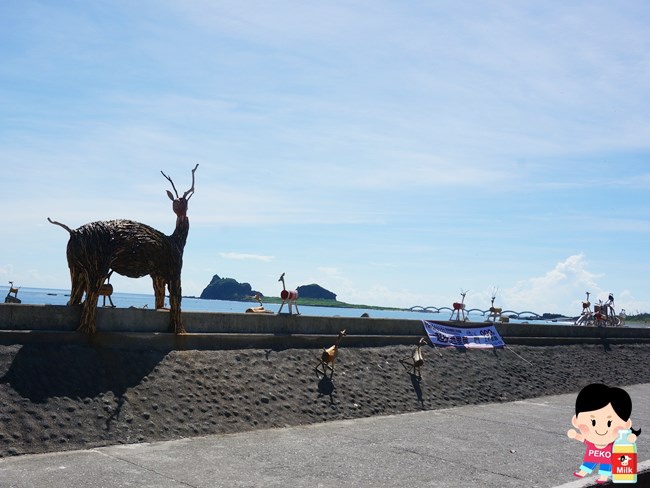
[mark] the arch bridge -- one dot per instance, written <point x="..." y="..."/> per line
<point x="509" y="313"/>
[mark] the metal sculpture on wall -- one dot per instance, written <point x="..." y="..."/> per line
<point x="106" y="290"/>
<point x="259" y="309"/>
<point x="496" y="313"/>
<point x="328" y="356"/>
<point x="459" y="308"/>
<point x="131" y="249"/>
<point x="290" y="296"/>
<point x="414" y="362"/>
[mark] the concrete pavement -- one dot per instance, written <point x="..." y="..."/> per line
<point x="518" y="444"/>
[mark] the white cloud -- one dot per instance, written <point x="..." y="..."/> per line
<point x="560" y="290"/>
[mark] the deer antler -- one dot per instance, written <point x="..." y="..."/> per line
<point x="173" y="186"/>
<point x="190" y="192"/>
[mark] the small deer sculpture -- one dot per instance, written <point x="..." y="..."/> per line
<point x="459" y="308"/>
<point x="259" y="309"/>
<point x="131" y="249"/>
<point x="586" y="304"/>
<point x="13" y="289"/>
<point x="12" y="294"/>
<point x="621" y="317"/>
<point x="329" y="356"/>
<point x="495" y="312"/>
<point x="106" y="290"/>
<point x="290" y="296"/>
<point x="414" y="362"/>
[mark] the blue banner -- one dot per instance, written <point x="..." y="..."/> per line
<point x="485" y="337"/>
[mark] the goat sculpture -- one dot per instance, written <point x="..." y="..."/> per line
<point x="131" y="249"/>
<point x="329" y="355"/>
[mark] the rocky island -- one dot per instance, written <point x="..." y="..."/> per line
<point x="230" y="289"/>
<point x="227" y="289"/>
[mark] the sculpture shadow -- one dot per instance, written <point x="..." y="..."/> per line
<point x="326" y="387"/>
<point x="42" y="371"/>
<point x="607" y="347"/>
<point x="417" y="388"/>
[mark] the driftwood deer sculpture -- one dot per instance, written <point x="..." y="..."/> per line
<point x="329" y="355"/>
<point x="131" y="249"/>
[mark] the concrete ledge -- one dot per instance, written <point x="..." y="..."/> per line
<point x="211" y="341"/>
<point x="168" y="341"/>
<point x="136" y="327"/>
<point x="61" y="317"/>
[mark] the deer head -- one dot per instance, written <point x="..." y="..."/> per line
<point x="282" y="280"/>
<point x="180" y="203"/>
<point x="494" y="295"/>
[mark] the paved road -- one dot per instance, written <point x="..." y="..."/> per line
<point x="519" y="444"/>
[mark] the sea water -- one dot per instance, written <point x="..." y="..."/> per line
<point x="51" y="296"/>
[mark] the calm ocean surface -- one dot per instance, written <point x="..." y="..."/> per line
<point x="47" y="296"/>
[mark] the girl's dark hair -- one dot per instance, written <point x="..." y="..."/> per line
<point x="597" y="396"/>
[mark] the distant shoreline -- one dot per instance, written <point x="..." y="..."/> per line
<point x="642" y="319"/>
<point x="316" y="302"/>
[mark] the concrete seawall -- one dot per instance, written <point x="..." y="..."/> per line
<point x="208" y="330"/>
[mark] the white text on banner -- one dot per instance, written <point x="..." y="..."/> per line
<point x="470" y="337"/>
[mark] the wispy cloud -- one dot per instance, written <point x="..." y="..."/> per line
<point x="560" y="289"/>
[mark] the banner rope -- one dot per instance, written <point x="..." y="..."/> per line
<point x="520" y="357"/>
<point x="437" y="350"/>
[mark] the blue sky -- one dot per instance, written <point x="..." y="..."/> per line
<point x="392" y="152"/>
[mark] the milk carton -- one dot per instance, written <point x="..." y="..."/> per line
<point x="624" y="459"/>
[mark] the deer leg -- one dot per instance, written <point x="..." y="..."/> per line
<point x="319" y="365"/>
<point x="78" y="286"/>
<point x="405" y="364"/>
<point x="88" y="320"/>
<point x="159" y="291"/>
<point x="321" y="368"/>
<point x="175" y="323"/>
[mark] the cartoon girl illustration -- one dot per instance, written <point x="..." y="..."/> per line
<point x="601" y="411"/>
